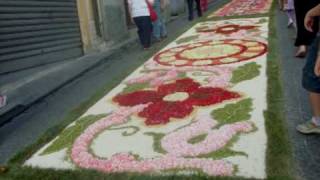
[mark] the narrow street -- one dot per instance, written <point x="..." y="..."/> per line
<point x="219" y="97"/>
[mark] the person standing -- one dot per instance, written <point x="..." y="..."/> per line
<point x="304" y="37"/>
<point x="190" y="9"/>
<point x="141" y="16"/>
<point x="311" y="76"/>
<point x="159" y="26"/>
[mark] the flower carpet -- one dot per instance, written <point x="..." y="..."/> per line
<point x="194" y="107"/>
<point x="243" y="7"/>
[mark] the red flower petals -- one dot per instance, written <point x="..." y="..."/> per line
<point x="182" y="85"/>
<point x="160" y="111"/>
<point x="232" y="28"/>
<point x="138" y="97"/>
<point x="209" y="96"/>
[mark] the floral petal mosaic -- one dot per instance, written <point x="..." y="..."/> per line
<point x="243" y="7"/>
<point x="194" y="107"/>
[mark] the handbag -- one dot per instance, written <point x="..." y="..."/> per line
<point x="153" y="14"/>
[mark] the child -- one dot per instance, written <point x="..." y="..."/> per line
<point x="311" y="77"/>
<point x="159" y="26"/>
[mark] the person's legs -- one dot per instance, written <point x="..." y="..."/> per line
<point x="157" y="23"/>
<point x="138" y="21"/>
<point x="147" y="31"/>
<point x="190" y="9"/>
<point x="157" y="29"/>
<point x="292" y="18"/>
<point x="312" y="84"/>
<point x="199" y="11"/>
<point x="281" y="6"/>
<point x="313" y="125"/>
<point x="289" y="7"/>
<point x="164" y="32"/>
<point x="304" y="37"/>
<point x="315" y="103"/>
<point x="144" y="30"/>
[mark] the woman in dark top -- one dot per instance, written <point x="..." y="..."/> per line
<point x="304" y="37"/>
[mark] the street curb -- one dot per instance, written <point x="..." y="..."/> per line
<point x="18" y="106"/>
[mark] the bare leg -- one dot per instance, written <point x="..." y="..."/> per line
<point x="315" y="103"/>
<point x="312" y="126"/>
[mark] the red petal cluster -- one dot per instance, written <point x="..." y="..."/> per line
<point x="226" y="29"/>
<point x="160" y="111"/>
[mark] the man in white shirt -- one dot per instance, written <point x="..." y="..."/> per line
<point x="141" y="16"/>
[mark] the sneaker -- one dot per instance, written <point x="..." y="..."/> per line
<point x="3" y="101"/>
<point x="290" y="23"/>
<point x="308" y="128"/>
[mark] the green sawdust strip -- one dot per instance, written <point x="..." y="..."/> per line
<point x="134" y="87"/>
<point x="187" y="39"/>
<point x="221" y="153"/>
<point x="134" y="130"/>
<point x="157" y="141"/>
<point x="197" y="139"/>
<point x="182" y="75"/>
<point x="280" y="163"/>
<point x="245" y="72"/>
<point x="225" y="152"/>
<point x="262" y="20"/>
<point x="232" y="113"/>
<point x="69" y="135"/>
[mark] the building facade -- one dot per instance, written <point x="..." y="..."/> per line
<point x="106" y="23"/>
<point x="35" y="33"/>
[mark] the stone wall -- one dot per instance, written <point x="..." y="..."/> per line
<point x="177" y="7"/>
<point x="114" y="20"/>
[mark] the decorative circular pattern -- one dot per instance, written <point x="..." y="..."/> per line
<point x="232" y="28"/>
<point x="226" y="29"/>
<point x="211" y="53"/>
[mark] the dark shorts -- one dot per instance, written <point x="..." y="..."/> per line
<point x="309" y="80"/>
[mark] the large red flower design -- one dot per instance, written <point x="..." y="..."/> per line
<point x="162" y="107"/>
